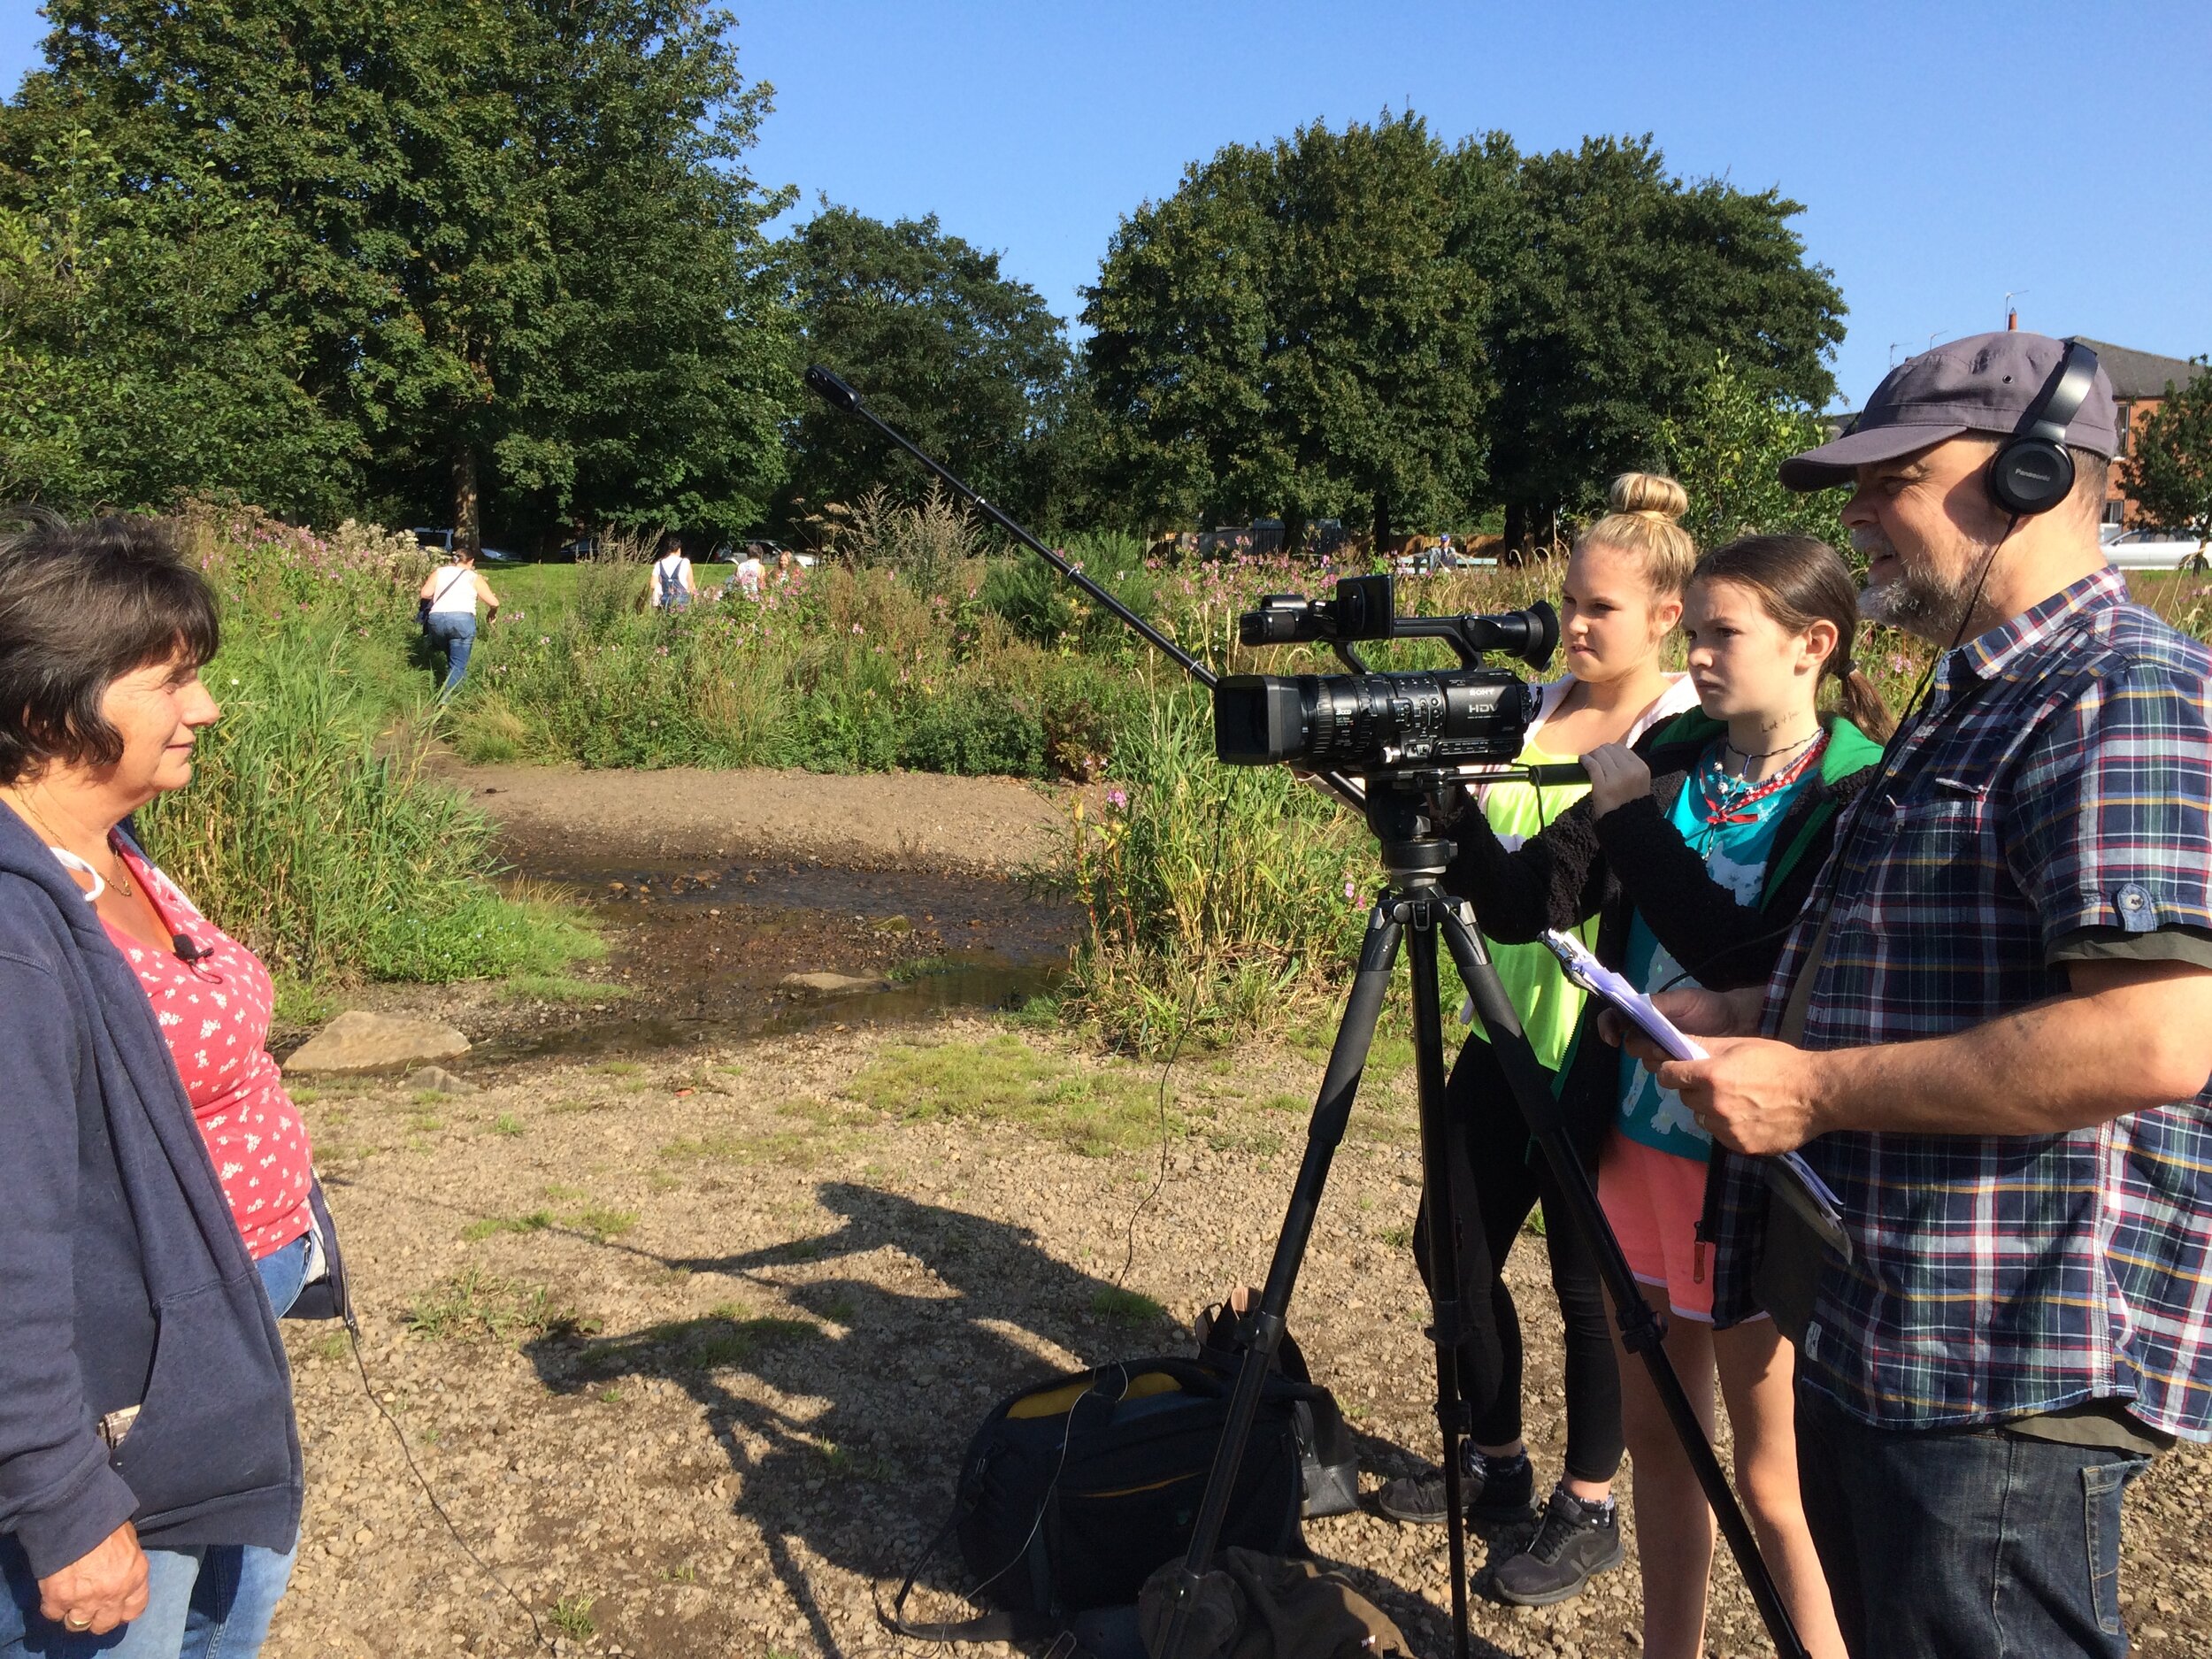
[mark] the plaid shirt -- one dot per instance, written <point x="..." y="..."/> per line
<point x="2060" y="781"/>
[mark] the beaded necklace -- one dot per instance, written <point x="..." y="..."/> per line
<point x="1727" y="800"/>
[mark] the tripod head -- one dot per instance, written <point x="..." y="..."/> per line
<point x="1403" y="814"/>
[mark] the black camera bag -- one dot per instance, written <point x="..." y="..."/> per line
<point x="1076" y="1489"/>
<point x="1328" y="1462"/>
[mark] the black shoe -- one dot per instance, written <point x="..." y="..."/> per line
<point x="1494" y="1492"/>
<point x="1577" y="1542"/>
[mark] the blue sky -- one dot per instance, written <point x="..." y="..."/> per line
<point x="1946" y="153"/>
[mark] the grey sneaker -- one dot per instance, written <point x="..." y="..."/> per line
<point x="1492" y="1494"/>
<point x="1571" y="1548"/>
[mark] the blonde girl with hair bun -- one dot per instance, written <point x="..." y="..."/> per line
<point x="1621" y="597"/>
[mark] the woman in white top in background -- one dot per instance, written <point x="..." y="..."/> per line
<point x="752" y="572"/>
<point x="673" y="587"/>
<point x="452" y="592"/>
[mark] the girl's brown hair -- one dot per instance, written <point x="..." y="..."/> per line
<point x="1645" y="520"/>
<point x="1799" y="581"/>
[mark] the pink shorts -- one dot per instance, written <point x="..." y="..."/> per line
<point x="1653" y="1200"/>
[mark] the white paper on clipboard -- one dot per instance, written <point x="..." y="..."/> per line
<point x="1617" y="994"/>
<point x="1790" y="1177"/>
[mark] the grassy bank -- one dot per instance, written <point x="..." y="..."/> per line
<point x="308" y="829"/>
<point x="1221" y="901"/>
<point x="961" y="665"/>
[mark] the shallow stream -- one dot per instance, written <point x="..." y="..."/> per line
<point x="709" y="951"/>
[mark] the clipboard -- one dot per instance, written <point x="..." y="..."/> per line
<point x="1787" y="1175"/>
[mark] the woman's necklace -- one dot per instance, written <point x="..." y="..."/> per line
<point x="1729" y="799"/>
<point x="120" y="881"/>
<point x="1748" y="755"/>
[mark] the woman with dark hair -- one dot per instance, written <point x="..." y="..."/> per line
<point x="158" y="1210"/>
<point x="449" y="597"/>
<point x="1694" y="849"/>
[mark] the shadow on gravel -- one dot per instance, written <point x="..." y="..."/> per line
<point x="851" y="1459"/>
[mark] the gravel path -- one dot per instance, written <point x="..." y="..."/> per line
<point x="689" y="1348"/>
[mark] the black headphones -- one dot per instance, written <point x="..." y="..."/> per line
<point x="2033" y="473"/>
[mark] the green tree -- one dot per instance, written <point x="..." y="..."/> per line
<point x="44" y="392"/>
<point x="427" y="235"/>
<point x="1298" y="330"/>
<point x="1725" y="445"/>
<point x="969" y="362"/>
<point x="348" y="168"/>
<point x="134" y="364"/>
<point x="667" y="372"/>
<point x="2169" y="468"/>
<point x="1620" y="285"/>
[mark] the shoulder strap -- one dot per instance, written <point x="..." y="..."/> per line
<point x="449" y="585"/>
<point x="1002" y="1627"/>
<point x="1792" y="1028"/>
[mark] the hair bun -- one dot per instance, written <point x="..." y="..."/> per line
<point x="1654" y="495"/>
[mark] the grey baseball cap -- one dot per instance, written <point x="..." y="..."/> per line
<point x="1985" y="383"/>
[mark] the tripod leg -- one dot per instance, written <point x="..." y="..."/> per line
<point x="1443" y="1239"/>
<point x="1379" y="954"/>
<point x="1640" y="1330"/>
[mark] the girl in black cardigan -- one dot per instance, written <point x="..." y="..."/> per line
<point x="1695" y="850"/>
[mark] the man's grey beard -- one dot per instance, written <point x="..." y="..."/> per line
<point x="1922" y="601"/>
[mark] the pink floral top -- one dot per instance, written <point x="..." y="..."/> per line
<point x="214" y="1013"/>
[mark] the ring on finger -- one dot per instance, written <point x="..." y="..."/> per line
<point x="78" y="1621"/>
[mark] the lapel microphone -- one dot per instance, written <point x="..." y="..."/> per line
<point x="189" y="949"/>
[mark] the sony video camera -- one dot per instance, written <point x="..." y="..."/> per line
<point x="1381" y="724"/>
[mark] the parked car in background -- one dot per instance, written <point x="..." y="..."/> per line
<point x="732" y="552"/>
<point x="440" y="541"/>
<point x="2153" y="551"/>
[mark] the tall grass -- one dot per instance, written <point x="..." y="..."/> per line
<point x="308" y="829"/>
<point x="1220" y="899"/>
<point x="850" y="668"/>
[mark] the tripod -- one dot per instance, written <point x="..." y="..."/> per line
<point x="1411" y="912"/>
<point x="1411" y="908"/>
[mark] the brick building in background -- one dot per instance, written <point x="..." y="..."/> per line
<point x="2139" y="386"/>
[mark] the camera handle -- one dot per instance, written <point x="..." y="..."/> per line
<point x="1412" y="909"/>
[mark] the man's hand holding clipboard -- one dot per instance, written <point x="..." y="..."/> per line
<point x="1719" y="1075"/>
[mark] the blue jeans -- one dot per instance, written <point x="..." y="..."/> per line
<point x="214" y="1601"/>
<point x="455" y="636"/>
<point x="1964" y="1543"/>
<point x="283" y="1273"/>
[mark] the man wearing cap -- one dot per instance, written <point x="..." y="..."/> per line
<point x="1991" y="1034"/>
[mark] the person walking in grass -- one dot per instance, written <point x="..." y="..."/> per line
<point x="1622" y="599"/>
<point x="673" y="586"/>
<point x="1695" y="848"/>
<point x="752" y="572"/>
<point x="451" y="595"/>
